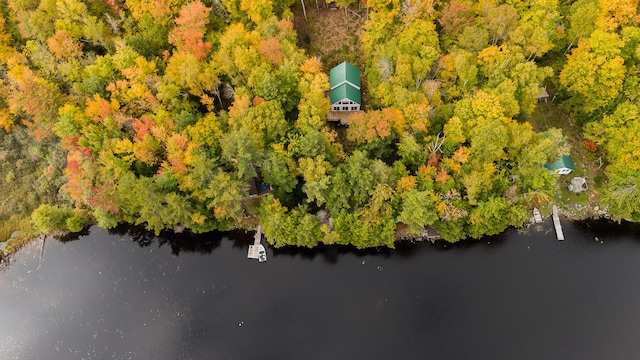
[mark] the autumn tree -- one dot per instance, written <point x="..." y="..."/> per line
<point x="582" y="18"/>
<point x="240" y="149"/>
<point x="617" y="133"/>
<point x="224" y="195"/>
<point x="276" y="169"/>
<point x="33" y="98"/>
<point x="190" y="29"/>
<point x="63" y="46"/>
<point x="49" y="218"/>
<point x="455" y="17"/>
<point x="537" y="32"/>
<point x="351" y="183"/>
<point x="75" y="17"/>
<point x="418" y="210"/>
<point x="500" y="21"/>
<point x="315" y="172"/>
<point x="595" y="71"/>
<point x="282" y="226"/>
<point x="314" y="105"/>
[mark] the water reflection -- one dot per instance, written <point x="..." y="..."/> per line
<point x="182" y="242"/>
<point x="74" y="236"/>
<point x="607" y="230"/>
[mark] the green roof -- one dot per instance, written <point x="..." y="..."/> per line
<point x="345" y="91"/>
<point x="563" y="162"/>
<point x="342" y="73"/>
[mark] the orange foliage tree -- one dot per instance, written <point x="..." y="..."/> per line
<point x="374" y="125"/>
<point x="189" y="33"/>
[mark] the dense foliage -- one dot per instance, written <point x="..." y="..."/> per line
<point x="166" y="110"/>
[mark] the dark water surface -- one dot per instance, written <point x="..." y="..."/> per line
<point x="126" y="295"/>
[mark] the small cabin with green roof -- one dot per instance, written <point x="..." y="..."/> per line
<point x="344" y="93"/>
<point x="562" y="166"/>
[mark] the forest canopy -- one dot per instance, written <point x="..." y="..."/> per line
<point x="164" y="113"/>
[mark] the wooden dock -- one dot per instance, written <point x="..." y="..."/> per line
<point x="556" y="223"/>
<point x="254" y="250"/>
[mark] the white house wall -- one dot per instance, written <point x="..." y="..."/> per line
<point x="345" y="105"/>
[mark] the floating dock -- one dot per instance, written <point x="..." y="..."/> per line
<point x="556" y="223"/>
<point x="257" y="250"/>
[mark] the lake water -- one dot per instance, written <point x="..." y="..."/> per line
<point x="127" y="295"/>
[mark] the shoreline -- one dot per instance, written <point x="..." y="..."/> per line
<point x="428" y="235"/>
<point x="6" y="259"/>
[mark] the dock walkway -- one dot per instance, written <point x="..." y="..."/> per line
<point x="253" y="249"/>
<point x="556" y="223"/>
<point x="257" y="250"/>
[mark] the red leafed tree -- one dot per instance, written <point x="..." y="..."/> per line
<point x="104" y="196"/>
<point x="36" y="98"/>
<point x="373" y="125"/>
<point x="456" y="16"/>
<point x="435" y="159"/>
<point x="100" y="109"/>
<point x="115" y="5"/>
<point x="75" y="183"/>
<point x="142" y="126"/>
<point x="590" y="145"/>
<point x="176" y="147"/>
<point x="272" y="50"/>
<point x="63" y="46"/>
<point x="442" y="176"/>
<point x="189" y="33"/>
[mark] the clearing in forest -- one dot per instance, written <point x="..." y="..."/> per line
<point x="587" y="163"/>
<point x="327" y="35"/>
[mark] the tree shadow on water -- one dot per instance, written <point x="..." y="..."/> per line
<point x="185" y="241"/>
<point x="190" y="242"/>
<point x="240" y="239"/>
<point x="331" y="254"/>
<point x="603" y="229"/>
<point x="470" y="243"/>
<point x="86" y="231"/>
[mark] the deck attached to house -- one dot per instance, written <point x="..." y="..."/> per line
<point x="341" y="116"/>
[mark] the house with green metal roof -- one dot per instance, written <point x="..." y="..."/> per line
<point x="344" y="93"/>
<point x="562" y="166"/>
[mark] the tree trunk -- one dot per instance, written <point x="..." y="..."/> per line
<point x="304" y="11"/>
<point x="346" y="21"/>
<point x="568" y="48"/>
<point x="318" y="7"/>
<point x="219" y="98"/>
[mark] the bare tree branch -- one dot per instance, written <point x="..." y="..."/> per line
<point x="436" y="145"/>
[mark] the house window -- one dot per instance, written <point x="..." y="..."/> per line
<point x="336" y="108"/>
<point x="354" y="108"/>
<point x="345" y="108"/>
